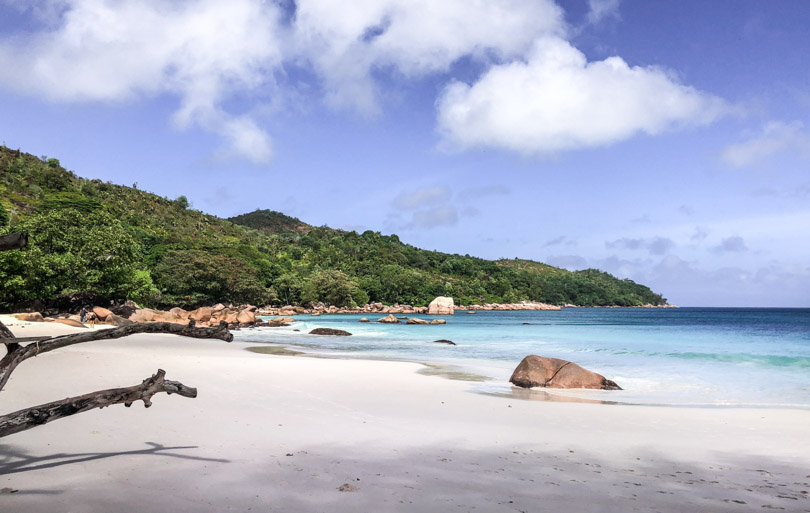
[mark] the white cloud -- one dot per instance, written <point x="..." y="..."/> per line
<point x="775" y="137"/>
<point x="599" y="10"/>
<point x="562" y="239"/>
<point x="570" y="262"/>
<point x="446" y="215"/>
<point x="102" y="50"/>
<point x="346" y="41"/>
<point x="655" y="245"/>
<point x="733" y="244"/>
<point x="557" y="100"/>
<point x="421" y="198"/>
<point x="537" y="94"/>
<point x="771" y="285"/>
<point x="477" y="193"/>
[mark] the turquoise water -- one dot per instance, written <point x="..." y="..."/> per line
<point x="685" y="356"/>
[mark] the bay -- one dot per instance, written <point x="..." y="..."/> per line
<point x="685" y="356"/>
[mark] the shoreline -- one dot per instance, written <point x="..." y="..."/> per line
<point x="454" y="372"/>
<point x="379" y="308"/>
<point x="281" y="433"/>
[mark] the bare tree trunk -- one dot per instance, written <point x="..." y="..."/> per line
<point x="17" y="353"/>
<point x="42" y="414"/>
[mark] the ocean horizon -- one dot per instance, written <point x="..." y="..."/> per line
<point x="689" y="356"/>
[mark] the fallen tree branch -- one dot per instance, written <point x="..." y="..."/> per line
<point x="8" y="338"/>
<point x="42" y="414"/>
<point x="18" y="353"/>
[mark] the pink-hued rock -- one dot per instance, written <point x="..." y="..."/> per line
<point x="117" y="320"/>
<point x="179" y="312"/>
<point x="414" y="320"/>
<point x="30" y="317"/>
<point x="441" y="306"/>
<point x="538" y="371"/>
<point x="70" y="322"/>
<point x="245" y="317"/>
<point x="202" y="314"/>
<point x="144" y="315"/>
<point x="101" y="313"/>
<point x="389" y="319"/>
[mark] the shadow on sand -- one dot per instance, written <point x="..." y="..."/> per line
<point x="14" y="461"/>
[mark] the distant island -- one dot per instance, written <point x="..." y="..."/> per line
<point x="97" y="242"/>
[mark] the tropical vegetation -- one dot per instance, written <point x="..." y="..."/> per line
<point x="94" y="240"/>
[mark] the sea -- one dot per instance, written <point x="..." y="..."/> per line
<point x="700" y="357"/>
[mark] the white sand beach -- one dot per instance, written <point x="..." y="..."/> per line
<point x="284" y="433"/>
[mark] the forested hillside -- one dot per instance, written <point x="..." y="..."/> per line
<point x="93" y="240"/>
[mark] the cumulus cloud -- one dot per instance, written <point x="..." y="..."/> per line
<point x="446" y="215"/>
<point x="420" y="198"/>
<point x="346" y="41"/>
<point x="699" y="234"/>
<point x="428" y="207"/>
<point x="562" y="239"/>
<point x="686" y="210"/>
<point x="474" y="193"/>
<point x="731" y="245"/>
<point x="775" y="137"/>
<point x="599" y="10"/>
<point x="771" y="285"/>
<point x="655" y="245"/>
<point x="556" y="100"/>
<point x="570" y="262"/>
<point x="223" y="60"/>
<point x="111" y="51"/>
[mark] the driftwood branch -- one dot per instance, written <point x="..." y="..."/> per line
<point x="42" y="414"/>
<point x="13" y="241"/>
<point x="8" y="338"/>
<point x="18" y="353"/>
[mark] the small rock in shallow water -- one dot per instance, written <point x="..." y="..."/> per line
<point x="346" y="487"/>
<point x="443" y="341"/>
<point x="329" y="331"/>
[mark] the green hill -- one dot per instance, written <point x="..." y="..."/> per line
<point x="93" y="240"/>
<point x="271" y="222"/>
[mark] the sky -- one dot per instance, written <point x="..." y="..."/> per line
<point x="664" y="142"/>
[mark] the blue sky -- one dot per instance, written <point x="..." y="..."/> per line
<point x="666" y="142"/>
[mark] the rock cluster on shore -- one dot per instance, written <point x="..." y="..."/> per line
<point x="235" y="317"/>
<point x="245" y="315"/>
<point x="442" y="306"/>
<point x="248" y="315"/>
<point x="523" y="305"/>
<point x="320" y="308"/>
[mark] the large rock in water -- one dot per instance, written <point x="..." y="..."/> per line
<point x="389" y="319"/>
<point x="329" y="331"/>
<point x="538" y="371"/>
<point x="414" y="320"/>
<point x="442" y="306"/>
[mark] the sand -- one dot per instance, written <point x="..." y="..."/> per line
<point x="290" y="433"/>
